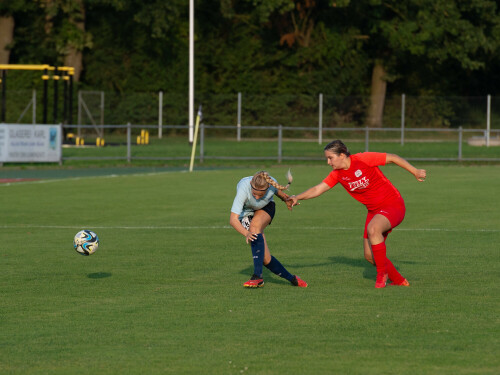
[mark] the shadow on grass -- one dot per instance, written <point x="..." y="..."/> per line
<point x="368" y="270"/>
<point x="269" y="277"/>
<point x="98" y="275"/>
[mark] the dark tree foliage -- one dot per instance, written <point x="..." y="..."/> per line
<point x="270" y="47"/>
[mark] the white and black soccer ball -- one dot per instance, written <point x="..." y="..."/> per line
<point x="86" y="242"/>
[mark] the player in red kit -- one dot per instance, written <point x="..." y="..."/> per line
<point x="360" y="176"/>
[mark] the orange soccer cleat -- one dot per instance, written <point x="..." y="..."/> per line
<point x="381" y="280"/>
<point x="254" y="283"/>
<point x="297" y="281"/>
<point x="402" y="283"/>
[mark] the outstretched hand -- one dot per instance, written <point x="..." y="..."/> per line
<point x="421" y="174"/>
<point x="286" y="198"/>
<point x="291" y="202"/>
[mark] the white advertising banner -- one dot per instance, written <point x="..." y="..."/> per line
<point x="30" y="143"/>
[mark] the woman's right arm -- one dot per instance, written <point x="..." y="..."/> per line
<point x="313" y="192"/>
<point x="235" y="223"/>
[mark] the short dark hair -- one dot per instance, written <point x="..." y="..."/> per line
<point x="337" y="147"/>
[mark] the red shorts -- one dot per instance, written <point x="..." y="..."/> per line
<point x="395" y="212"/>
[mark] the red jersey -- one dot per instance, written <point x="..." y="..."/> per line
<point x="365" y="182"/>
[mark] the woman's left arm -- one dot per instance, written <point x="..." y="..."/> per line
<point x="419" y="174"/>
<point x="284" y="197"/>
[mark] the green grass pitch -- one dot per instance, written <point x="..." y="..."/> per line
<point x="163" y="294"/>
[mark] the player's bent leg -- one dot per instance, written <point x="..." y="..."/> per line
<point x="257" y="246"/>
<point x="260" y="220"/>
<point x="375" y="230"/>
<point x="267" y="253"/>
<point x="277" y="268"/>
<point x="274" y="265"/>
<point x="368" y="251"/>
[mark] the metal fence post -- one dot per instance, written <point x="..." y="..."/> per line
<point x="403" y="104"/>
<point x="33" y="116"/>
<point x="367" y="138"/>
<point x="160" y="115"/>
<point x="488" y="123"/>
<point x="79" y="115"/>
<point x="460" y="135"/>
<point x="202" y="141"/>
<point x="102" y="113"/>
<point x="238" y="125"/>
<point x="129" y="141"/>
<point x="280" y="141"/>
<point x="320" y="120"/>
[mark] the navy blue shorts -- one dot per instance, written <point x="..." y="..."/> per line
<point x="269" y="208"/>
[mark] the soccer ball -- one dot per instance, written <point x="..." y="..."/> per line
<point x="86" y="242"/>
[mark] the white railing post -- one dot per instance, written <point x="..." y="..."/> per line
<point x="460" y="137"/>
<point x="238" y="125"/>
<point x="320" y="120"/>
<point x="488" y="118"/>
<point x="79" y="120"/>
<point x="280" y="142"/>
<point x="129" y="141"/>
<point x="160" y="115"/>
<point x="403" y="105"/>
<point x="34" y="107"/>
<point x="367" y="139"/>
<point x="102" y="115"/>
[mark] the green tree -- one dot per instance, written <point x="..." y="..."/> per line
<point x="137" y="46"/>
<point x="64" y="27"/>
<point x="383" y="34"/>
<point x="7" y="24"/>
<point x="439" y="31"/>
<point x="298" y="43"/>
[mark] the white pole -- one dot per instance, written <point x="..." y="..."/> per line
<point x="191" y="70"/>
<point x="488" y="116"/>
<point x="160" y="115"/>
<point x="320" y="120"/>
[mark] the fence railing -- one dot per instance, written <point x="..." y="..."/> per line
<point x="366" y="138"/>
<point x="316" y="110"/>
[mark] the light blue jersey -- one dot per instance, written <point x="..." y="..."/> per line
<point x="244" y="203"/>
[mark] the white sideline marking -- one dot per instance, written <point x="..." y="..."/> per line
<point x="177" y="227"/>
<point x="63" y="179"/>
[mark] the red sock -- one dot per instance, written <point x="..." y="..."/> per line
<point x="394" y="275"/>
<point x="379" y="257"/>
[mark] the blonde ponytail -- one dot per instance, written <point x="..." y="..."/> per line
<point x="261" y="180"/>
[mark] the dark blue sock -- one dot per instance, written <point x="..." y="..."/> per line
<point x="276" y="267"/>
<point x="258" y="250"/>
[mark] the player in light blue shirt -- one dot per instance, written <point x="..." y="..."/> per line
<point x="245" y="204"/>
<point x="252" y="211"/>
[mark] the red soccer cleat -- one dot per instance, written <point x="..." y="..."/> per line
<point x="254" y="283"/>
<point x="402" y="283"/>
<point x="297" y="281"/>
<point x="381" y="280"/>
